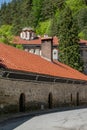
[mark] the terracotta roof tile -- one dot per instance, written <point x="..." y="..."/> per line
<point x="83" y="41"/>
<point x="18" y="40"/>
<point x="17" y="59"/>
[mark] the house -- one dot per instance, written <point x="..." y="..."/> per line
<point x="29" y="81"/>
<point x="83" y="51"/>
<point x="32" y="44"/>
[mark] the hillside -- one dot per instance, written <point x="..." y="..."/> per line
<point x="43" y="15"/>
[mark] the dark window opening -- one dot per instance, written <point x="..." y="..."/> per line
<point x="22" y="103"/>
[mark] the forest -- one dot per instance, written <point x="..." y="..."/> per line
<point x="66" y="19"/>
<point x="43" y="15"/>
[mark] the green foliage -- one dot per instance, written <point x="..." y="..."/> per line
<point x="76" y="5"/>
<point x="85" y="1"/>
<point x="47" y="11"/>
<point x="24" y="13"/>
<point x="54" y="29"/>
<point x="19" y="47"/>
<point x="69" y="47"/>
<point x="83" y="33"/>
<point x="48" y="17"/>
<point x="82" y="18"/>
<point x="16" y="14"/>
<point x="6" y="34"/>
<point x="43" y="27"/>
<point x="3" y="19"/>
<point x="36" y="12"/>
<point x="82" y="23"/>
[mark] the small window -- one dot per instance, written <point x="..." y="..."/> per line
<point x="32" y="51"/>
<point x="26" y="49"/>
<point x="55" y="54"/>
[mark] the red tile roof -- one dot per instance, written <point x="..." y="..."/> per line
<point x="83" y="41"/>
<point x="18" y="40"/>
<point x="17" y="59"/>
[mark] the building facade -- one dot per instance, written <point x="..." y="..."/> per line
<point x="30" y="82"/>
<point x="19" y="95"/>
<point x="32" y="43"/>
<point x="83" y="50"/>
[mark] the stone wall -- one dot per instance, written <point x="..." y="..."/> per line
<point x="84" y="58"/>
<point x="40" y="93"/>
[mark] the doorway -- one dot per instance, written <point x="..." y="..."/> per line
<point x="77" y="99"/>
<point x="50" y="98"/>
<point x="22" y="102"/>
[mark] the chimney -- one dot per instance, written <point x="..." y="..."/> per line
<point x="46" y="48"/>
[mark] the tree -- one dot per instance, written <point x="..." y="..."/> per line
<point x="82" y="23"/>
<point x="19" y="47"/>
<point x="58" y="6"/>
<point x="69" y="52"/>
<point x="48" y="9"/>
<point x="43" y="27"/>
<point x="85" y="1"/>
<point x="16" y="19"/>
<point x="54" y="29"/>
<point x="3" y="14"/>
<point x="26" y="7"/>
<point x="82" y="18"/>
<point x="35" y="12"/>
<point x="6" y="34"/>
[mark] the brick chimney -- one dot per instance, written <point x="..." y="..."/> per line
<point x="46" y="48"/>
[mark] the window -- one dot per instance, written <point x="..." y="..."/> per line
<point x="31" y="50"/>
<point x="55" y="54"/>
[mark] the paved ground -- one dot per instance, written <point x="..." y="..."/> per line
<point x="64" y="120"/>
<point x="12" y="124"/>
<point x="68" y="120"/>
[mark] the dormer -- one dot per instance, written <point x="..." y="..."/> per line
<point x="27" y="33"/>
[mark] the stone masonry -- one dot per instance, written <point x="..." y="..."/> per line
<point x="38" y="94"/>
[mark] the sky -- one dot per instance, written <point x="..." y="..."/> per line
<point x="2" y="1"/>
